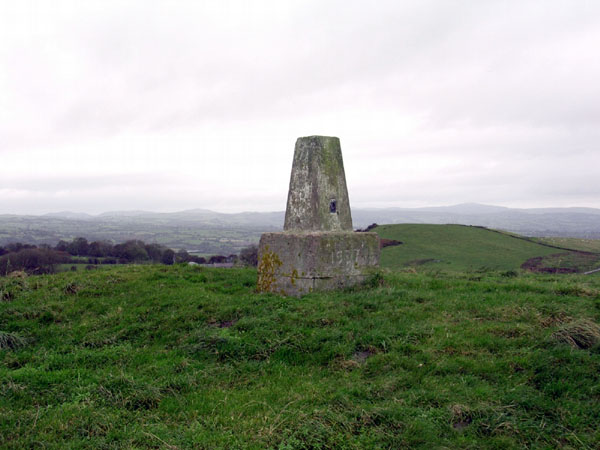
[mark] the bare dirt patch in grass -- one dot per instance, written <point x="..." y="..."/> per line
<point x="565" y="262"/>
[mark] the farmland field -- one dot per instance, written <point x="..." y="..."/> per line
<point x="468" y="248"/>
<point x="456" y="247"/>
<point x="584" y="245"/>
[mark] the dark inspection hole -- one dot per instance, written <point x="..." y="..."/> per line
<point x="333" y="206"/>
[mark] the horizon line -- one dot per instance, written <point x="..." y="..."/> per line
<point x="380" y="208"/>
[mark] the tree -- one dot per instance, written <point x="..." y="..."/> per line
<point x="100" y="249"/>
<point x="155" y="252"/>
<point x="18" y="246"/>
<point x="182" y="256"/>
<point x="217" y="259"/>
<point x="249" y="255"/>
<point x="32" y="260"/>
<point x="79" y="247"/>
<point x="133" y="250"/>
<point x="62" y="246"/>
<point x="168" y="257"/>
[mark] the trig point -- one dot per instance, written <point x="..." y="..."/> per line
<point x="318" y="249"/>
<point x="318" y="197"/>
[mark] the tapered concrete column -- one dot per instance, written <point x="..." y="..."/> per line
<point x="318" y="196"/>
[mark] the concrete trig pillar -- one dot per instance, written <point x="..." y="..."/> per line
<point x="318" y="196"/>
<point x="318" y="249"/>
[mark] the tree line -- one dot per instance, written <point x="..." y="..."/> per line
<point x="41" y="259"/>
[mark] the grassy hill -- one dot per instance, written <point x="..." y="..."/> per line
<point x="181" y="357"/>
<point x="584" y="245"/>
<point x="460" y="248"/>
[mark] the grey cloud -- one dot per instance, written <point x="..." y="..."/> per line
<point x="51" y="184"/>
<point x="456" y="61"/>
<point x="510" y="83"/>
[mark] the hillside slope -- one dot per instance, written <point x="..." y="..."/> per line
<point x="584" y="245"/>
<point x="456" y="247"/>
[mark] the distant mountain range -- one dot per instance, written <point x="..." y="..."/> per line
<point x="204" y="217"/>
<point x="227" y="232"/>
<point x="572" y="222"/>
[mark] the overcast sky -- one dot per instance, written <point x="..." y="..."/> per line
<point x="165" y="106"/>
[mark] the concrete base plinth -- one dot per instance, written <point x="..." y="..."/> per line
<point x="296" y="263"/>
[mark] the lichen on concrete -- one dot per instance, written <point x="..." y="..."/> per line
<point x="268" y="267"/>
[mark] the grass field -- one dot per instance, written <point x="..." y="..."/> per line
<point x="584" y="245"/>
<point x="576" y="262"/>
<point x="456" y="247"/>
<point x="187" y="357"/>
<point x="465" y="248"/>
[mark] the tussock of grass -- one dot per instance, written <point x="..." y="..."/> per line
<point x="19" y="274"/>
<point x="11" y="287"/>
<point x="577" y="291"/>
<point x="461" y="416"/>
<point x="6" y="296"/>
<point x="554" y="319"/>
<point x="10" y="341"/>
<point x="71" y="288"/>
<point x="581" y="334"/>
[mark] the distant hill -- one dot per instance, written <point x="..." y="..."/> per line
<point x="465" y="208"/>
<point x="206" y="234"/>
<point x="558" y="222"/>
<point x="70" y="215"/>
<point x="565" y="222"/>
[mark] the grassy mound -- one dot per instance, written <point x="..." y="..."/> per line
<point x="456" y="247"/>
<point x="187" y="357"/>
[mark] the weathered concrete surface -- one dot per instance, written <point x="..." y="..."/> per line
<point x="318" y="196"/>
<point x="318" y="249"/>
<point x="296" y="263"/>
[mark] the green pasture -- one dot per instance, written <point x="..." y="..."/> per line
<point x="181" y="357"/>
<point x="457" y="247"/>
